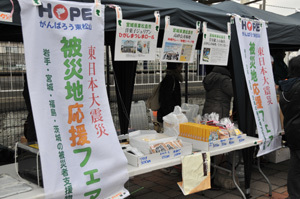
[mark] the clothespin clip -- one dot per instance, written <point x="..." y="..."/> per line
<point x="231" y="17"/>
<point x="112" y="6"/>
<point x="8" y="17"/>
<point x="97" y="10"/>
<point x="237" y="16"/>
<point x="118" y="10"/>
<point x="167" y="22"/>
<point x="119" y="16"/>
<point x="229" y="30"/>
<point x="198" y="25"/>
<point x="157" y="20"/>
<point x="258" y="142"/>
<point x="36" y="2"/>
<point x="204" y="26"/>
<point x="261" y="22"/>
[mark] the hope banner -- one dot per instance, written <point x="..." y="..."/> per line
<point x="64" y="50"/>
<point x="253" y="42"/>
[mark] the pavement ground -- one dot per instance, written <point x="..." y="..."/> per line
<point x="158" y="185"/>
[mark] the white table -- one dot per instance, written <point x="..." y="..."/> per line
<point x="38" y="192"/>
<point x="249" y="142"/>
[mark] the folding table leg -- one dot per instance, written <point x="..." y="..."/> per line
<point x="259" y="169"/>
<point x="233" y="175"/>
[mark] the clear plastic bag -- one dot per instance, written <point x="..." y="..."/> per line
<point x="172" y="121"/>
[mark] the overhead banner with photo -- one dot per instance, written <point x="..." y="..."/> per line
<point x="135" y="40"/>
<point x="81" y="156"/>
<point x="253" y="42"/>
<point x="215" y="47"/>
<point x="179" y="43"/>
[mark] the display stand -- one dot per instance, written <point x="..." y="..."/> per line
<point x="249" y="142"/>
<point x="38" y="192"/>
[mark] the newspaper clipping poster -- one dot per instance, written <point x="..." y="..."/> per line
<point x="136" y="40"/>
<point x="179" y="43"/>
<point x="215" y="48"/>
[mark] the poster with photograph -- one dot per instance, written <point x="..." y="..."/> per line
<point x="179" y="43"/>
<point x="215" y="47"/>
<point x="135" y="40"/>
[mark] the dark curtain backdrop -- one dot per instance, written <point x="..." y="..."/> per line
<point x="124" y="72"/>
<point x="245" y="115"/>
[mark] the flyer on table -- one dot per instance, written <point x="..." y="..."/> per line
<point x="179" y="43"/>
<point x="64" y="50"/>
<point x="253" y="42"/>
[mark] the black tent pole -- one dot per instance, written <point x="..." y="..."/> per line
<point x="246" y="120"/>
<point x="124" y="74"/>
<point x="107" y="73"/>
<point x="186" y="68"/>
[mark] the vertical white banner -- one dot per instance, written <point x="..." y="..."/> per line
<point x="64" y="50"/>
<point x="253" y="42"/>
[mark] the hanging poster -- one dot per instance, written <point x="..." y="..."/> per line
<point x="135" y="40"/>
<point x="64" y="51"/>
<point x="179" y="43"/>
<point x="253" y="42"/>
<point x="215" y="47"/>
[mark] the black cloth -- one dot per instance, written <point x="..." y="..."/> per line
<point x="280" y="70"/>
<point x="290" y="107"/>
<point x="219" y="91"/>
<point x="169" y="94"/>
<point x="293" y="182"/>
<point x="29" y="128"/>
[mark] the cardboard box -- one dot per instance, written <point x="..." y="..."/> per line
<point x="158" y="157"/>
<point x="143" y="139"/>
<point x="279" y="155"/>
<point x="207" y="146"/>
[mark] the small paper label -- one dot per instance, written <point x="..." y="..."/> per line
<point x="5" y="16"/>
